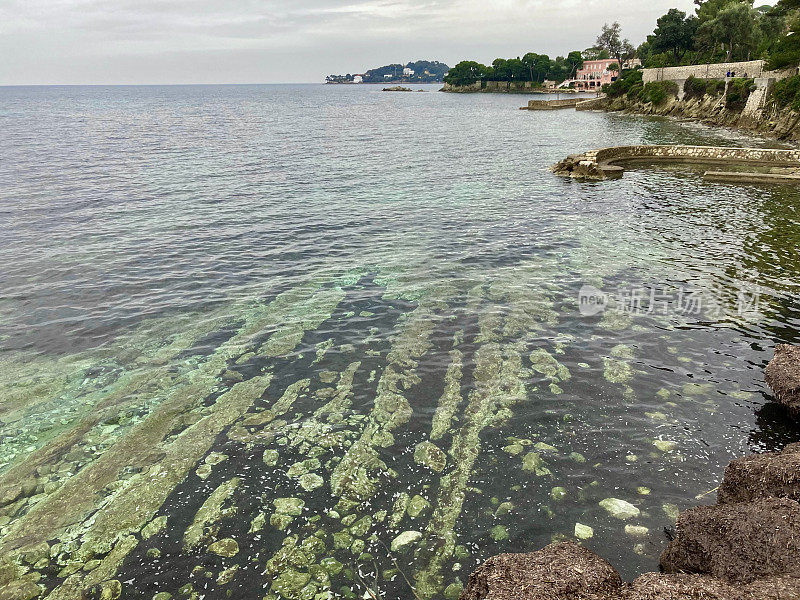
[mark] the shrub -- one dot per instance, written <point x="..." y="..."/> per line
<point x="787" y="92"/>
<point x="635" y="93"/>
<point x="699" y="88"/>
<point x="738" y="93"/>
<point x="657" y="92"/>
<point x="623" y="84"/>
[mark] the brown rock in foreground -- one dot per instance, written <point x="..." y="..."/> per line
<point x="783" y="377"/>
<point x="762" y="476"/>
<point x="737" y="542"/>
<point x="564" y="571"/>
<point x="654" y="586"/>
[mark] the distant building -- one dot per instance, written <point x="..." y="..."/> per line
<point x="549" y="85"/>
<point x="595" y="74"/>
<point x="408" y="72"/>
<point x="388" y="76"/>
<point x="358" y="79"/>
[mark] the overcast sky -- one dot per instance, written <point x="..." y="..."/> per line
<point x="272" y="41"/>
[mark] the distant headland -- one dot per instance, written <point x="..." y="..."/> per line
<point x="421" y="71"/>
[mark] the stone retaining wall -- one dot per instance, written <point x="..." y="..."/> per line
<point x="753" y="69"/>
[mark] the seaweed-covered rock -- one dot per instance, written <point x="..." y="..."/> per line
<point x="560" y="571"/>
<point x="762" y="476"/>
<point x="783" y="377"/>
<point x="737" y="542"/>
<point x="654" y="586"/>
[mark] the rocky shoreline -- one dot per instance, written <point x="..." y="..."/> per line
<point x="769" y="120"/>
<point x="745" y="547"/>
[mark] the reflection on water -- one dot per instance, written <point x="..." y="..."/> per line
<point x="274" y="341"/>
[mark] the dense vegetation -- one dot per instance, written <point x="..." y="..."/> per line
<point x="424" y="72"/>
<point x="738" y="93"/>
<point x="695" y="88"/>
<point x="530" y="67"/>
<point x="787" y="93"/>
<point x="725" y="31"/>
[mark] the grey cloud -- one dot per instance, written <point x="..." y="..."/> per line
<point x="186" y="41"/>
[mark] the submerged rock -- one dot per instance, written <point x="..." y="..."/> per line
<point x="431" y="456"/>
<point x="564" y="571"/>
<point x="620" y="509"/>
<point x="783" y="377"/>
<point x="227" y="548"/>
<point x="583" y="532"/>
<point x="404" y="539"/>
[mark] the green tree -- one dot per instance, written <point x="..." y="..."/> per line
<point x="610" y="40"/>
<point x="466" y="72"/>
<point x="501" y="70"/>
<point x="595" y="53"/>
<point x="574" y="62"/>
<point x="735" y="28"/>
<point x="708" y="10"/>
<point x="529" y="60"/>
<point x="674" y="34"/>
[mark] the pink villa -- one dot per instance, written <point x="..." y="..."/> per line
<point x="595" y="74"/>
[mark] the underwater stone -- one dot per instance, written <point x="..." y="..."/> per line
<point x="404" y="539"/>
<point x="620" y="509"/>
<point x="257" y="524"/>
<point x="271" y="457"/>
<point x="214" y="458"/>
<point x="643" y="491"/>
<point x="290" y="582"/>
<point x="542" y="447"/>
<point x="416" y="506"/>
<point x="361" y="527"/>
<point x="153" y="527"/>
<point x="532" y="462"/>
<point x="331" y="565"/>
<point x="514" y="449"/>
<point x="583" y="532"/>
<point x="311" y="481"/>
<point x="504" y="509"/>
<point x="665" y="445"/>
<point x="431" y="456"/>
<point x="227" y="548"/>
<point x="453" y="591"/>
<point x="342" y="540"/>
<point x="280" y="521"/>
<point x="499" y="533"/>
<point x="672" y="511"/>
<point x="577" y="457"/>
<point x="558" y="493"/>
<point x="226" y="576"/>
<point x="289" y="506"/>
<point x="203" y="471"/>
<point x="617" y="371"/>
<point x="357" y="547"/>
<point x="636" y="531"/>
<point x="162" y="596"/>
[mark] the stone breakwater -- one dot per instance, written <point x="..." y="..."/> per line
<point x="745" y="547"/>
<point x="606" y="163"/>
<point x="551" y="104"/>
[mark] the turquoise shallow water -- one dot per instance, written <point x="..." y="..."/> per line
<point x="341" y="328"/>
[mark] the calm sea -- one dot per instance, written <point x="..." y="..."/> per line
<point x="322" y="338"/>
